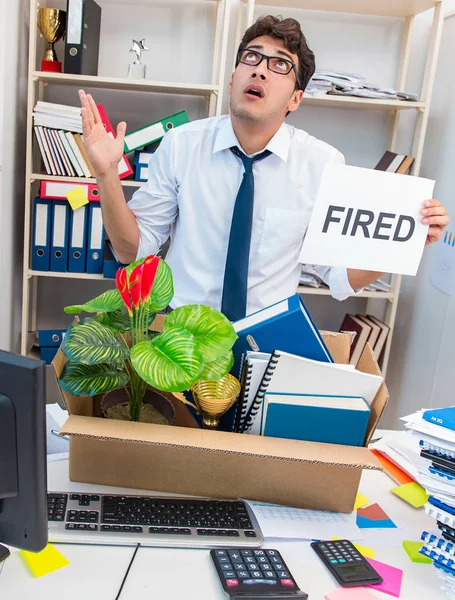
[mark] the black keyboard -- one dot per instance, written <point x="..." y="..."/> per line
<point x="150" y="520"/>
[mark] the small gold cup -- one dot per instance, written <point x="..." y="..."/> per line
<point x="52" y="24"/>
<point x="214" y="398"/>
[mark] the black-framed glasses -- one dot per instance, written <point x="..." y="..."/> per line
<point x="276" y="64"/>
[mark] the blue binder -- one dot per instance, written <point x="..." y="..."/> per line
<point x="42" y="219"/>
<point x="47" y="354"/>
<point x="50" y="337"/>
<point x="59" y="235"/>
<point x="78" y="240"/>
<point x="95" y="239"/>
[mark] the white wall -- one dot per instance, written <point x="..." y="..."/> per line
<point x="13" y="81"/>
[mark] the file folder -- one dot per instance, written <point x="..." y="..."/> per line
<point x="82" y="37"/>
<point x="154" y="132"/>
<point x="124" y="167"/>
<point x="59" y="190"/>
<point x="42" y="218"/>
<point x="59" y="235"/>
<point x="141" y="165"/>
<point x="95" y="240"/>
<point x="78" y="239"/>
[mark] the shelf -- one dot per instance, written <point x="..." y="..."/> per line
<point x="303" y="289"/>
<point x="362" y="103"/>
<point x="385" y="8"/>
<point x="96" y="276"/>
<point x="118" y="83"/>
<point x="44" y="177"/>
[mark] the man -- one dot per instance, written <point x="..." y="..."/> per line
<point x="226" y="250"/>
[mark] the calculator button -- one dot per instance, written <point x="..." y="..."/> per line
<point x="226" y="567"/>
<point x="253" y="567"/>
<point x="334" y="561"/>
<point x="262" y="559"/>
<point x="287" y="582"/>
<point x="341" y="560"/>
<point x="275" y="559"/>
<point x="256" y="574"/>
<point x="279" y="566"/>
<point x="269" y="574"/>
<point x="229" y="574"/>
<point x="272" y="552"/>
<point x="259" y="552"/>
<point x="265" y="566"/>
<point x="220" y="552"/>
<point x="239" y="566"/>
<point x="284" y="574"/>
<point x="235" y="555"/>
<point x="246" y="553"/>
<point x="359" y="559"/>
<point x="249" y="559"/>
<point x="223" y="559"/>
<point x="232" y="582"/>
<point x="243" y="574"/>
<point x="350" y="559"/>
<point x="250" y="533"/>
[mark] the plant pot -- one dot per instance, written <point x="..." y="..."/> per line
<point x="163" y="414"/>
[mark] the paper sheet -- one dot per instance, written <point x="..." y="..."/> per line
<point x="356" y="593"/>
<point x="44" y="562"/>
<point x="284" y="522"/>
<point x="442" y="274"/>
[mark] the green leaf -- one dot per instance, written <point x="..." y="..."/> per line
<point x="91" y="342"/>
<point x="88" y="380"/>
<point x="163" y="289"/>
<point x="216" y="369"/>
<point x="106" y="302"/>
<point x="171" y="362"/>
<point x="212" y="330"/>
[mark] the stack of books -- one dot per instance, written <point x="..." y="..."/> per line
<point x="394" y="163"/>
<point x="434" y="432"/>
<point x="365" y="330"/>
<point x="58" y="130"/>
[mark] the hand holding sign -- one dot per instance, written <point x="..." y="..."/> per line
<point x="367" y="219"/>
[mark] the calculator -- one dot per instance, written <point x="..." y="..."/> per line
<point x="259" y="574"/>
<point x="346" y="563"/>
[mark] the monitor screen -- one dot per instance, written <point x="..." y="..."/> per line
<point x="23" y="486"/>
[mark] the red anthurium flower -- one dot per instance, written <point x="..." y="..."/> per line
<point x="121" y="281"/>
<point x="148" y="276"/>
<point x="134" y="284"/>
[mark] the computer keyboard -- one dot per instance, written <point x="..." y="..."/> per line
<point x="82" y="518"/>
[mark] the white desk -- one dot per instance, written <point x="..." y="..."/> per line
<point x="96" y="572"/>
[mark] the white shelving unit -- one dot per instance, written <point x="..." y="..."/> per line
<point x="407" y="10"/>
<point x="37" y="82"/>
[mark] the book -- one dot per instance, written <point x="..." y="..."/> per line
<point x="380" y="342"/>
<point x="286" y="325"/>
<point x="290" y="374"/>
<point x="405" y="165"/>
<point x="444" y="417"/>
<point x="315" y="418"/>
<point x="80" y="145"/>
<point x="375" y="330"/>
<point x="361" y="331"/>
<point x="394" y="163"/>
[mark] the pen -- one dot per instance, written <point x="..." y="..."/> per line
<point x="56" y="433"/>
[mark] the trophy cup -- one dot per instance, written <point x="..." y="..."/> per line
<point x="137" y="69"/>
<point x="214" y="398"/>
<point x="52" y="23"/>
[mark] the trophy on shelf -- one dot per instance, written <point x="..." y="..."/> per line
<point x="214" y="398"/>
<point x="52" y="24"/>
<point x="137" y="70"/>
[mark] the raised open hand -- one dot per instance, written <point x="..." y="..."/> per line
<point x="104" y="151"/>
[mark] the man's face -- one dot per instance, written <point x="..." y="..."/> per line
<point x="262" y="96"/>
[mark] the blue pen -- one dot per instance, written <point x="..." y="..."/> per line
<point x="56" y="433"/>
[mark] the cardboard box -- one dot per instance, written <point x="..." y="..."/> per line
<point x="188" y="460"/>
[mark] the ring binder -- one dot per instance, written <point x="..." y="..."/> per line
<point x="255" y="406"/>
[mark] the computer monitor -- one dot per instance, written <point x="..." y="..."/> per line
<point x="23" y="485"/>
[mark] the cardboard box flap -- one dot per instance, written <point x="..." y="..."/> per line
<point x="339" y="345"/>
<point x="220" y="441"/>
<point x="368" y="364"/>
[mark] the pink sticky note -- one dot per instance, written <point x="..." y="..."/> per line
<point x="391" y="575"/>
<point x="354" y="593"/>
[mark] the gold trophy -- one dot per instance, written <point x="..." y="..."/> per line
<point x="214" y="398"/>
<point x="52" y="24"/>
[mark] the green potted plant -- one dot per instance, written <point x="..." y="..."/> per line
<point x="117" y="353"/>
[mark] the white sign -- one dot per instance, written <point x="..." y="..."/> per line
<point x="367" y="219"/>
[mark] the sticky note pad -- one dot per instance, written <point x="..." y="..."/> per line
<point x="412" y="550"/>
<point x="77" y="198"/>
<point x="412" y="493"/>
<point x="44" y="562"/>
<point x="354" y="593"/>
<point x="391" y="575"/>
<point x="360" y="501"/>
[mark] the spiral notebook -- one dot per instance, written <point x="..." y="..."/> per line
<point x="253" y="368"/>
<point x="291" y="374"/>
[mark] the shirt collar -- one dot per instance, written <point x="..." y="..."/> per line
<point x="279" y="144"/>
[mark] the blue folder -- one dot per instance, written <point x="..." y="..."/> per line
<point x="42" y="219"/>
<point x="95" y="239"/>
<point x="78" y="239"/>
<point x="50" y="337"/>
<point x="59" y="235"/>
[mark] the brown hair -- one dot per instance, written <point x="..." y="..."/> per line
<point x="290" y="33"/>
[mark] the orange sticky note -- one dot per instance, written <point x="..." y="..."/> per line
<point x="77" y="198"/>
<point x="360" y="501"/>
<point x="44" y="562"/>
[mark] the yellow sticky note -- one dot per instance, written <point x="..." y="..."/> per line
<point x="360" y="501"/>
<point x="412" y="493"/>
<point x="364" y="550"/>
<point x="77" y="198"/>
<point x="44" y="562"/>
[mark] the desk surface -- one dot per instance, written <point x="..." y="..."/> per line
<point x="96" y="572"/>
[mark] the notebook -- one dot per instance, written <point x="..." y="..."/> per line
<point x="327" y="419"/>
<point x="290" y="374"/>
<point x="254" y="365"/>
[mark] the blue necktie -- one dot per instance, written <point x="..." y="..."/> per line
<point x="233" y="302"/>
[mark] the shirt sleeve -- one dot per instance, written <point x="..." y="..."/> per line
<point x="337" y="277"/>
<point x="155" y="204"/>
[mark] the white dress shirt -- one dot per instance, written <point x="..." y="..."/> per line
<point x="193" y="180"/>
